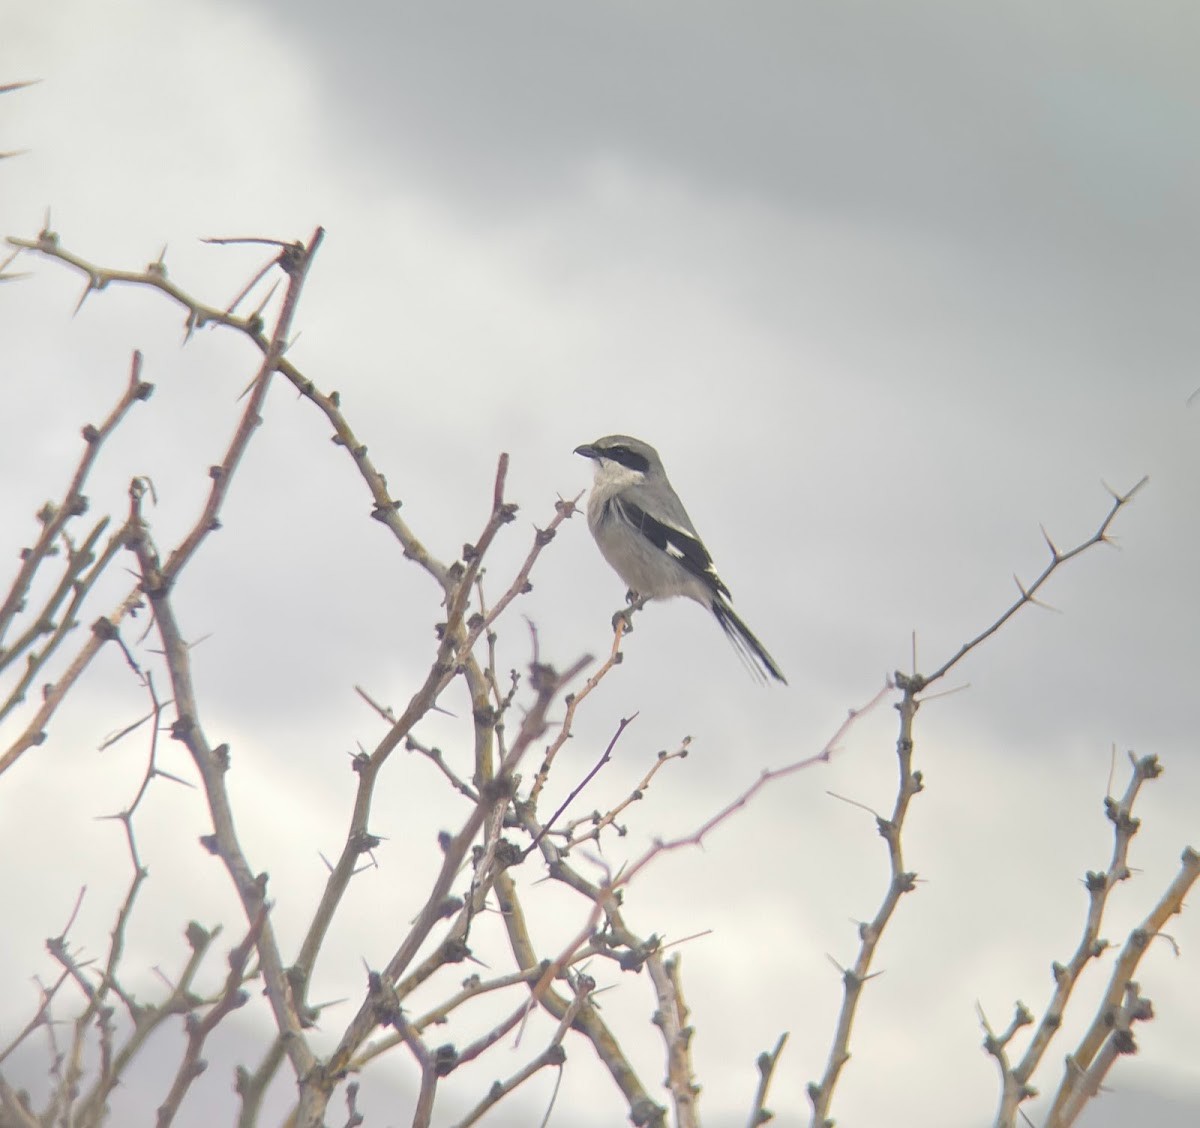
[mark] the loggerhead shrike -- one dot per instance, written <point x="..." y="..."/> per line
<point x="644" y="532"/>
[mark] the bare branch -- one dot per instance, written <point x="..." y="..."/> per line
<point x="1057" y="560"/>
<point x="547" y="685"/>
<point x="1109" y="1034"/>
<point x="54" y="518"/>
<point x="1091" y="946"/>
<point x="605" y="756"/>
<point x="596" y="822"/>
<point x="198" y="1029"/>
<point x="901" y="881"/>
<point x="759" y="1113"/>
<point x="671" y="1018"/>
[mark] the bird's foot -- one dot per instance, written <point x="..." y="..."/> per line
<point x="623" y="620"/>
<point x="636" y="603"/>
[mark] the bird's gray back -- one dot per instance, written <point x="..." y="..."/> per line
<point x="662" y="502"/>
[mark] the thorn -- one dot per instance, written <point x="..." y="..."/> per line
<point x="1122" y="499"/>
<point x="230" y="240"/>
<point x="1049" y="542"/>
<point x="249" y="387"/>
<point x="258" y="312"/>
<point x="1143" y="481"/>
<point x="853" y="803"/>
<point x="91" y="285"/>
<point x="259" y="275"/>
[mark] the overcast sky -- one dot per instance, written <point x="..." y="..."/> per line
<point x="887" y="285"/>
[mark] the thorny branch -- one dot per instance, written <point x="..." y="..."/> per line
<point x="80" y="572"/>
<point x="605" y="756"/>
<point x="211" y="765"/>
<point x="631" y="951"/>
<point x="547" y="684"/>
<point x="294" y="261"/>
<point x="596" y="822"/>
<point x="855" y="977"/>
<point x="155" y="583"/>
<point x="232" y="997"/>
<point x="1015" y="1080"/>
<point x="479" y="848"/>
<point x="767" y="1063"/>
<point x="910" y="783"/>
<point x="197" y="315"/>
<point x="671" y="1018"/>
<point x="457" y="640"/>
<point x="458" y="635"/>
<point x="1110" y="1034"/>
<point x="1029" y="594"/>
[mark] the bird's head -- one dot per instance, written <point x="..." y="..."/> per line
<point x="620" y="459"/>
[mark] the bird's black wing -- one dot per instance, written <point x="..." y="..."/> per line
<point x="677" y="543"/>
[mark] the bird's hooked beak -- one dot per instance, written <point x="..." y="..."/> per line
<point x="587" y="450"/>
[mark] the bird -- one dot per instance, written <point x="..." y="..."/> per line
<point x="645" y="534"/>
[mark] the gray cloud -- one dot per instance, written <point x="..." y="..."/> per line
<point x="887" y="285"/>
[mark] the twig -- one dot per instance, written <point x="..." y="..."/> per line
<point x="604" y="898"/>
<point x="211" y="764"/>
<point x="156" y="580"/>
<point x="605" y="756"/>
<point x="73" y="502"/>
<point x="585" y="1019"/>
<point x="599" y="822"/>
<point x="671" y="1018"/>
<point x="1028" y="594"/>
<point x="41" y="1015"/>
<point x="198" y="1029"/>
<point x="200" y="314"/>
<point x="573" y="702"/>
<point x="442" y="670"/>
<point x="854" y="978"/>
<point x="294" y="261"/>
<point x="15" y="1108"/>
<point x="547" y="684"/>
<point x="759" y="1113"/>
<point x="1015" y="1081"/>
<point x="353" y="1117"/>
<point x="472" y="988"/>
<point x="1081" y="1085"/>
<point x="147" y="1020"/>
<point x="80" y="572"/>
<point x="1083" y="1074"/>
<point x="552" y="1055"/>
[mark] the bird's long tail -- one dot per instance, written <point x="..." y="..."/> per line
<point x="753" y="651"/>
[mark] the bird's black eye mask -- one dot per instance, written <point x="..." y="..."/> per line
<point x="627" y="458"/>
